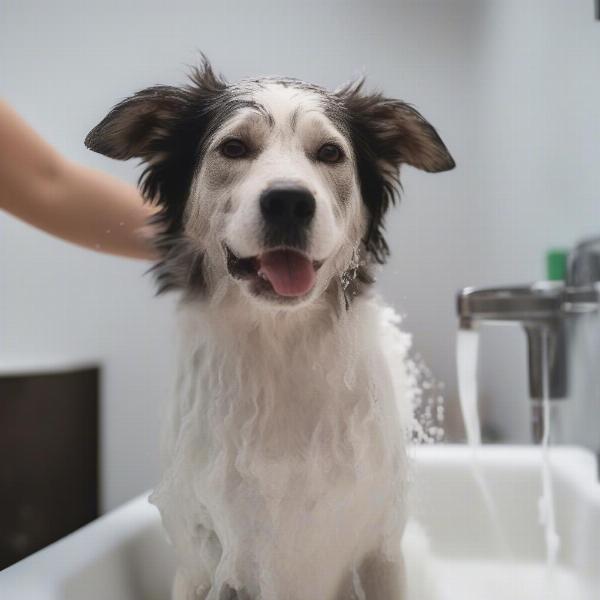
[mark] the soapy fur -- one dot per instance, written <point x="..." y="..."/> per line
<point x="285" y="453"/>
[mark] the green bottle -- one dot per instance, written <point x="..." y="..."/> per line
<point x="556" y="264"/>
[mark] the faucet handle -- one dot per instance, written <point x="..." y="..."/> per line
<point x="584" y="263"/>
<point x="582" y="299"/>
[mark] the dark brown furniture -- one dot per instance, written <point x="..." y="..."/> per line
<point x="48" y="457"/>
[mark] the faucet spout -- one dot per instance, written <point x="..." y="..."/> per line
<point x="561" y="321"/>
<point x="538" y="308"/>
<point x="545" y="311"/>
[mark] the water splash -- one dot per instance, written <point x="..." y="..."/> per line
<point x="427" y="402"/>
<point x="424" y="409"/>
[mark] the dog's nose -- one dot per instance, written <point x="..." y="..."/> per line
<point x="287" y="206"/>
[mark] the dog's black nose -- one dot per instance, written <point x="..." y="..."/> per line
<point x="287" y="207"/>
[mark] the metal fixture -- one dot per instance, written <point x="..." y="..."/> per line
<point x="562" y="325"/>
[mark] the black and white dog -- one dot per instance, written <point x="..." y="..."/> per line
<point x="285" y="447"/>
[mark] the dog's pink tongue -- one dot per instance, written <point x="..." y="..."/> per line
<point x="290" y="273"/>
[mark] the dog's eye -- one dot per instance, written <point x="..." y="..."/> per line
<point x="330" y="153"/>
<point x="234" y="149"/>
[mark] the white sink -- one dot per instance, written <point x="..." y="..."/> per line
<point x="124" y="555"/>
<point x="481" y="556"/>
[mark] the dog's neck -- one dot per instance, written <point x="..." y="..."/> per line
<point x="283" y="384"/>
<point x="242" y="332"/>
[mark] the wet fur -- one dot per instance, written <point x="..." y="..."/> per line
<point x="284" y="449"/>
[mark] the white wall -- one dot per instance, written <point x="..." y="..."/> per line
<point x="490" y="76"/>
<point x="540" y="100"/>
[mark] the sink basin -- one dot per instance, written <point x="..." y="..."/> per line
<point x="474" y="550"/>
<point x="496" y="551"/>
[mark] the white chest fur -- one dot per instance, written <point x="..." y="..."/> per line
<point x="284" y="459"/>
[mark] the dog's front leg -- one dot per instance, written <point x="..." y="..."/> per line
<point x="228" y="593"/>
<point x="382" y="578"/>
<point x="183" y="589"/>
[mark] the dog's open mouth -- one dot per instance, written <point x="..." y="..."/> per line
<point x="282" y="271"/>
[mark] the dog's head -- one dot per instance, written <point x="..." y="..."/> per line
<point x="273" y="186"/>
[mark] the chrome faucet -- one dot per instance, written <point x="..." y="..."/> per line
<point x="562" y="325"/>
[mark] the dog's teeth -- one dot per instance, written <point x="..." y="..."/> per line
<point x="262" y="275"/>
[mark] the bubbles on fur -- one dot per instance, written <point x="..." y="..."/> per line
<point x="250" y="439"/>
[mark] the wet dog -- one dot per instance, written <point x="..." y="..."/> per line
<point x="284" y="448"/>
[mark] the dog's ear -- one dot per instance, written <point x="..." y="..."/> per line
<point x="386" y="133"/>
<point x="164" y="126"/>
<point x="140" y="125"/>
<point x="136" y="126"/>
<point x="394" y="131"/>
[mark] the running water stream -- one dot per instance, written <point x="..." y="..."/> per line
<point x="467" y="350"/>
<point x="467" y="359"/>
<point x="546" y="502"/>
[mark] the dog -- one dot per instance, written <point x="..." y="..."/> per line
<point x="284" y="450"/>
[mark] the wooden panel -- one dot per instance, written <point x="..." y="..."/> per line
<point x="48" y="458"/>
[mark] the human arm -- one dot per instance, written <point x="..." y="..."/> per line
<point x="76" y="203"/>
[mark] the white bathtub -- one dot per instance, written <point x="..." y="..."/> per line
<point x="124" y="555"/>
